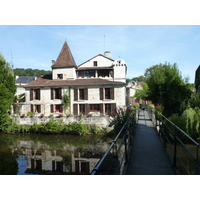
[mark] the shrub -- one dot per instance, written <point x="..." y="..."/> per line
<point x="75" y="128"/>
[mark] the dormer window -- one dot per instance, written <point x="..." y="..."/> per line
<point x="95" y="63"/>
<point x="60" y="76"/>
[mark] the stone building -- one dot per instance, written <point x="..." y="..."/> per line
<point x="96" y="86"/>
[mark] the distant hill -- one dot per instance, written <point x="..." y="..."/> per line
<point x="30" y="72"/>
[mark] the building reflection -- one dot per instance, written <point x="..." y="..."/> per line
<point x="41" y="159"/>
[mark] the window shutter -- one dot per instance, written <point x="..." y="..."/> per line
<point x="39" y="94"/>
<point x="75" y="106"/>
<point x="87" y="109"/>
<point x="39" y="108"/>
<point x="86" y="94"/>
<point x="52" y="108"/>
<point x="60" y="93"/>
<point x="112" y="94"/>
<point x="52" y="93"/>
<point x="113" y="109"/>
<point x="31" y="107"/>
<point x="75" y="94"/>
<point x="101" y="108"/>
<point x="61" y="108"/>
<point x="101" y="94"/>
<point x="31" y="94"/>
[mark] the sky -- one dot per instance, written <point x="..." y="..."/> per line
<point x="141" y="46"/>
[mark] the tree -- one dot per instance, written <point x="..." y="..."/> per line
<point x="143" y="92"/>
<point x="7" y="91"/>
<point x="166" y="86"/>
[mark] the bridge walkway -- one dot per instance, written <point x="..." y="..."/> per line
<point x="148" y="155"/>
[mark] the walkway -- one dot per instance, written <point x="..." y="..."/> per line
<point x="148" y="156"/>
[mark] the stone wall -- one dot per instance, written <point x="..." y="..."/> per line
<point x="101" y="121"/>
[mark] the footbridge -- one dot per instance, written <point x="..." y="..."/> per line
<point x="146" y="145"/>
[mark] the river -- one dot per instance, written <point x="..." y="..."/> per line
<point x="31" y="154"/>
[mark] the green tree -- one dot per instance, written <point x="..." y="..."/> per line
<point x="166" y="86"/>
<point x="143" y="92"/>
<point x="7" y="91"/>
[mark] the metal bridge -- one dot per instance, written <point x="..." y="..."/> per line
<point x="146" y="145"/>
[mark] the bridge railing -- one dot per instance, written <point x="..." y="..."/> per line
<point x="182" y="149"/>
<point x="115" y="160"/>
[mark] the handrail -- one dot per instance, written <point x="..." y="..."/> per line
<point x="194" y="141"/>
<point x="101" y="161"/>
<point x="182" y="154"/>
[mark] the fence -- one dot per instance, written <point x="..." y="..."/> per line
<point x="115" y="160"/>
<point x="181" y="148"/>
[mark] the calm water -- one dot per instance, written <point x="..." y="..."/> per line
<point x="51" y="154"/>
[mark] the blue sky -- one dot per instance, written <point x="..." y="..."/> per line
<point x="141" y="46"/>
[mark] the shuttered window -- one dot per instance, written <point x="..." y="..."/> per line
<point x="34" y="94"/>
<point x="36" y="108"/>
<point x="80" y="94"/>
<point x="110" y="109"/>
<point x="56" y="93"/>
<point x="107" y="93"/>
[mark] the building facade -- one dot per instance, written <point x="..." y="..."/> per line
<point x="96" y="86"/>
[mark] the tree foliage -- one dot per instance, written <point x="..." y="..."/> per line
<point x="30" y="72"/>
<point x="166" y="86"/>
<point x="7" y="91"/>
<point x="143" y="92"/>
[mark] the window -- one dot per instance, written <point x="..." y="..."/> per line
<point x="106" y="93"/>
<point x="56" y="108"/>
<point x="80" y="94"/>
<point x="35" y="94"/>
<point x="95" y="63"/>
<point x="108" y="109"/>
<point x="94" y="107"/>
<point x="86" y="73"/>
<point x="56" y="93"/>
<point x="103" y="73"/>
<point x="36" y="108"/>
<point x="82" y="109"/>
<point x="60" y="76"/>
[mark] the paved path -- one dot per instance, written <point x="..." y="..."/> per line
<point x="148" y="156"/>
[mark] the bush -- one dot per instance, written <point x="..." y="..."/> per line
<point x="75" y="128"/>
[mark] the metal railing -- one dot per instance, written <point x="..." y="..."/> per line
<point x="115" y="160"/>
<point x="182" y="149"/>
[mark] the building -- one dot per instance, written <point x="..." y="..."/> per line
<point x="21" y="81"/>
<point x="197" y="80"/>
<point x="96" y="86"/>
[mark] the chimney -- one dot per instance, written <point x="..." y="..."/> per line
<point x="107" y="54"/>
<point x="52" y="62"/>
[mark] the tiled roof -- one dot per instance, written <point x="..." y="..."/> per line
<point x="46" y="81"/>
<point x="65" y="58"/>
<point x="25" y="79"/>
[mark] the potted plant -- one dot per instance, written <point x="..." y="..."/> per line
<point x="60" y="115"/>
<point x="42" y="115"/>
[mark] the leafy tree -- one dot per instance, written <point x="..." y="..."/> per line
<point x="7" y="91"/>
<point x="30" y="72"/>
<point x="166" y="86"/>
<point x="143" y="92"/>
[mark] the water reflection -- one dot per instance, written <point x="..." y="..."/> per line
<point x="58" y="154"/>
